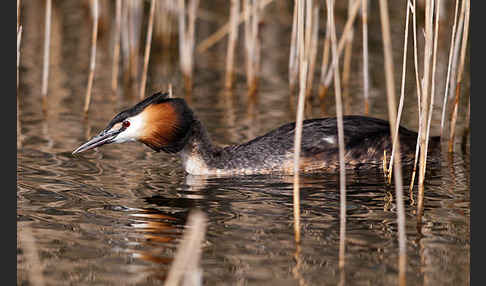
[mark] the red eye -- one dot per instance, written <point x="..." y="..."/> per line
<point x="126" y="123"/>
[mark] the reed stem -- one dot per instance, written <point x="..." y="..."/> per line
<point x="148" y="42"/>
<point x="434" y="64"/>
<point x="347" y="29"/>
<point x="325" y="62"/>
<point x="419" y="90"/>
<point x="116" y="49"/>
<point x="366" y="76"/>
<point x="47" y="43"/>
<point x="300" y="115"/>
<point x="224" y="30"/>
<point x="233" y="36"/>
<point x="424" y="107"/>
<point x="339" y="113"/>
<point x="293" y="56"/>
<point x="459" y="76"/>
<point x="186" y="39"/>
<point x="348" y="53"/>
<point x="392" y="114"/>
<point x="402" y="93"/>
<point x="313" y="48"/>
<point x="449" y="66"/>
<point x="93" y="55"/>
<point x="252" y="43"/>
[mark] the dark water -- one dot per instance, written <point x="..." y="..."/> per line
<point x="115" y="216"/>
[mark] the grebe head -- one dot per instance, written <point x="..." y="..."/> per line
<point x="158" y="121"/>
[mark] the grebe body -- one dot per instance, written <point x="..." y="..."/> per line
<point x="169" y="125"/>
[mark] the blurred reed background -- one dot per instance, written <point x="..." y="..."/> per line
<point x="320" y="54"/>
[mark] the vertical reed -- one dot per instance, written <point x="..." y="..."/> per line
<point x="148" y="42"/>
<point x="348" y="53"/>
<point x="402" y="93"/>
<point x="300" y="114"/>
<point x="339" y="112"/>
<point x="449" y="65"/>
<point x="458" y="83"/>
<point x="233" y="36"/>
<point x="326" y="80"/>
<point x="252" y="43"/>
<point x="116" y="49"/>
<point x="424" y="107"/>
<point x="325" y="61"/>
<point x="47" y="43"/>
<point x="134" y="22"/>
<point x="164" y="21"/>
<point x="366" y="79"/>
<point x="94" y="36"/>
<point x="221" y="32"/>
<point x="434" y="63"/>
<point x="186" y="39"/>
<point x="392" y="114"/>
<point x="419" y="91"/>
<point x="293" y="56"/>
<point x="185" y="269"/>
<point x="312" y="54"/>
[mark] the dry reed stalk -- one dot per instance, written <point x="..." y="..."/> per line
<point x="185" y="269"/>
<point x="392" y="114"/>
<point x="313" y="48"/>
<point x="94" y="36"/>
<point x="293" y="56"/>
<point x="424" y="107"/>
<point x="417" y="148"/>
<point x="47" y="43"/>
<point x="221" y="32"/>
<point x="455" y="56"/>
<point x="125" y="40"/>
<point x="348" y="53"/>
<point x="252" y="44"/>
<point x="186" y="39"/>
<point x="300" y="115"/>
<point x="339" y="113"/>
<point x="402" y="93"/>
<point x="432" y="94"/>
<point x="324" y="64"/>
<point x="116" y="49"/>
<point x="324" y="85"/>
<point x="449" y="65"/>
<point x="171" y="94"/>
<point x="366" y="76"/>
<point x="134" y="20"/>
<point x="182" y="32"/>
<point x="419" y="90"/>
<point x="148" y="43"/>
<point x="434" y="64"/>
<point x="459" y="76"/>
<point x="233" y="36"/>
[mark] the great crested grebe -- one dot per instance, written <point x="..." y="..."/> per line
<point x="168" y="124"/>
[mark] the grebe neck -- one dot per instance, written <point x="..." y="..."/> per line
<point x="199" y="151"/>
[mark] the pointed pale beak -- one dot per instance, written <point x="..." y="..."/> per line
<point x="105" y="137"/>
